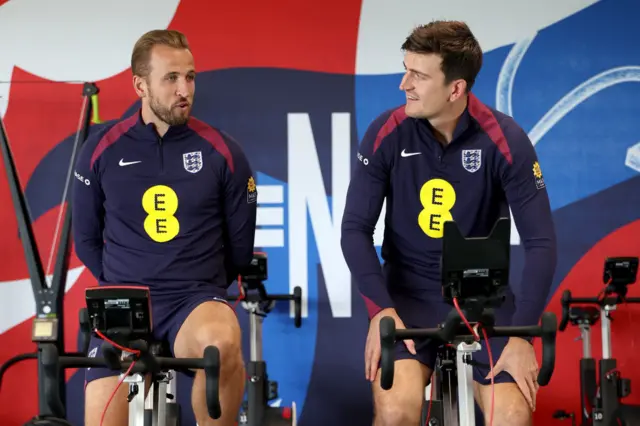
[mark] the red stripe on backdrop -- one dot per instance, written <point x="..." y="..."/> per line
<point x="304" y="35"/>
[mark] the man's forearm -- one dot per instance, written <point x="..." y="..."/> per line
<point x="537" y="278"/>
<point x="362" y="259"/>
<point x="237" y="257"/>
<point x="90" y="254"/>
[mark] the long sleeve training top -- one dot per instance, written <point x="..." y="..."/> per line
<point x="489" y="166"/>
<point x="173" y="213"/>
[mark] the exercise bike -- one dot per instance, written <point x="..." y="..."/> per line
<point x="255" y="410"/>
<point x="601" y="394"/>
<point x="474" y="276"/>
<point x="121" y="317"/>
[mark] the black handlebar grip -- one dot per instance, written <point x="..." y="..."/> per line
<point x="549" y="326"/>
<point x="565" y="301"/>
<point x="50" y="360"/>
<point x="211" y="367"/>
<point x="387" y="351"/>
<point x="297" y="300"/>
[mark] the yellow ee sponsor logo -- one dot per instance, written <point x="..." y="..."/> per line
<point x="161" y="203"/>
<point x="437" y="197"/>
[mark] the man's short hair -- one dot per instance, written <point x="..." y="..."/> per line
<point x="141" y="55"/>
<point x="454" y="42"/>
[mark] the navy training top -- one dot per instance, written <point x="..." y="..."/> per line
<point x="489" y="166"/>
<point x="174" y="213"/>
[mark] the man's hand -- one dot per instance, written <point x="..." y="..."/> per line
<point x="519" y="359"/>
<point x="372" y="349"/>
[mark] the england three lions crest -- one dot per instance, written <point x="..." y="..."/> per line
<point x="192" y="161"/>
<point x="471" y="159"/>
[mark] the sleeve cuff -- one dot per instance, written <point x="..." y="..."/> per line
<point x="373" y="308"/>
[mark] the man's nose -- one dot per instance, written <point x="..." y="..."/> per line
<point x="182" y="89"/>
<point x="405" y="83"/>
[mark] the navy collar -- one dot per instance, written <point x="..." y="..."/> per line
<point x="149" y="131"/>
<point x="464" y="122"/>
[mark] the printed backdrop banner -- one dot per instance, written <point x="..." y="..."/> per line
<point x="297" y="84"/>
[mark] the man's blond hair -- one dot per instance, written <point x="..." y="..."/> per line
<point x="141" y="55"/>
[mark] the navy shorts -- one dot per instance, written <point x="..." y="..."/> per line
<point x="426" y="354"/>
<point x="426" y="312"/>
<point x="169" y="311"/>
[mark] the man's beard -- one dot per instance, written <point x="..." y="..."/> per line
<point x="171" y="116"/>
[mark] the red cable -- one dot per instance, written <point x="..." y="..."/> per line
<point x="241" y="294"/>
<point x="601" y="294"/>
<point x="464" y="319"/>
<point x="486" y="339"/>
<point x="115" y="391"/>
<point x="477" y="338"/>
<point x="122" y="348"/>
<point x="426" y="423"/>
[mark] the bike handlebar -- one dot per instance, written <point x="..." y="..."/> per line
<point x="567" y="300"/>
<point x="53" y="364"/>
<point x="450" y="331"/>
<point x="263" y="296"/>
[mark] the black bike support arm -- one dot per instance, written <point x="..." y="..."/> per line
<point x="25" y="230"/>
<point x="61" y="268"/>
<point x="48" y="300"/>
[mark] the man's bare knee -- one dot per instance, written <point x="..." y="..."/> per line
<point x="402" y="404"/>
<point x="401" y="414"/>
<point x="97" y="396"/>
<point x="516" y="415"/>
<point x="510" y="409"/>
<point x="211" y="324"/>
<point x="510" y="414"/>
<point x="226" y="338"/>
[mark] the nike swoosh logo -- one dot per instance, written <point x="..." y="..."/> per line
<point x="409" y="154"/>
<point x="122" y="163"/>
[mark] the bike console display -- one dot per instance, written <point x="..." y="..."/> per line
<point x="620" y="271"/>
<point x="120" y="312"/>
<point x="475" y="270"/>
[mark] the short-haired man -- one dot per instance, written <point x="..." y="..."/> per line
<point x="169" y="202"/>
<point x="442" y="156"/>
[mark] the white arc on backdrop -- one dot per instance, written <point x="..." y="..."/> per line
<point x="385" y="24"/>
<point x="590" y="87"/>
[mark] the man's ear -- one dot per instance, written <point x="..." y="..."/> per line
<point x="140" y="86"/>
<point x="458" y="89"/>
